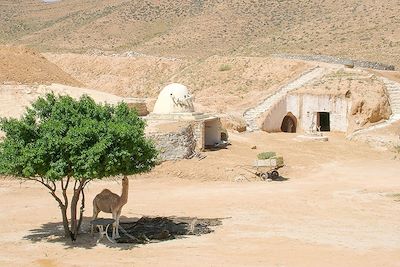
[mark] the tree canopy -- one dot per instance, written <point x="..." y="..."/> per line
<point x="60" y="136"/>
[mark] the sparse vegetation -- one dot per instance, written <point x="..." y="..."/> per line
<point x="225" y="67"/>
<point x="396" y="196"/>
<point x="266" y="155"/>
<point x="255" y="28"/>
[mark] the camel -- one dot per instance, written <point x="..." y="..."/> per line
<point x="109" y="202"/>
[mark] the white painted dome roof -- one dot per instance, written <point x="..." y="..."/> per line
<point x="174" y="98"/>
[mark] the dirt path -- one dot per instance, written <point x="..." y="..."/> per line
<point x="336" y="210"/>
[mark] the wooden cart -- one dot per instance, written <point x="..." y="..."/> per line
<point x="266" y="168"/>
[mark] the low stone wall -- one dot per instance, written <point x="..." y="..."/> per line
<point x="175" y="145"/>
<point x="138" y="104"/>
<point x="338" y="60"/>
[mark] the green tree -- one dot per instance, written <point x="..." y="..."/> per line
<point x="65" y="143"/>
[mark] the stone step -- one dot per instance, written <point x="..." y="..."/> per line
<point x="251" y="115"/>
<point x="393" y="89"/>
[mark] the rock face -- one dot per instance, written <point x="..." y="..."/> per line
<point x="368" y="107"/>
<point x="231" y="122"/>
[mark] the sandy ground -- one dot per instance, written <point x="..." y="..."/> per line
<point x="337" y="208"/>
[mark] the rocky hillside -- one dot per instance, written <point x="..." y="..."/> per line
<point x="368" y="29"/>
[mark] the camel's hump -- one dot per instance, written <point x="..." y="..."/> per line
<point x="106" y="193"/>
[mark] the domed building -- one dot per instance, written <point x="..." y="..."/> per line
<point x="178" y="130"/>
<point x="174" y="98"/>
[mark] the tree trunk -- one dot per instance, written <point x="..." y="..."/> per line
<point x="63" y="208"/>
<point x="74" y="203"/>
<point x="64" y="187"/>
<point x="67" y="232"/>
<point x="82" y="209"/>
<point x="71" y="228"/>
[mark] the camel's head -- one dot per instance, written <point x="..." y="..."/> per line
<point x="125" y="181"/>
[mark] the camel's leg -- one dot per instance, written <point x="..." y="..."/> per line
<point x="94" y="217"/>
<point x="117" y="223"/>
<point x="114" y="215"/>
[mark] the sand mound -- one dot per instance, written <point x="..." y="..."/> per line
<point x="26" y="66"/>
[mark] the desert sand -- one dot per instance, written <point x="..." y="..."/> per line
<point x="338" y="207"/>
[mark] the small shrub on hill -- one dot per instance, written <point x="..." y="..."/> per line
<point x="225" y="67"/>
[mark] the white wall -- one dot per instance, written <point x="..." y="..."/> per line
<point x="273" y="120"/>
<point x="304" y="108"/>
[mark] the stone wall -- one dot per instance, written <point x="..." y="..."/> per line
<point x="137" y="104"/>
<point x="182" y="142"/>
<point x="175" y="145"/>
<point x="338" y="60"/>
<point x="199" y="134"/>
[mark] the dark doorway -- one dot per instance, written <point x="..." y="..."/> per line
<point x="289" y="124"/>
<point x="324" y="121"/>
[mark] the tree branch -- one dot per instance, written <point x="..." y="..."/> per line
<point x="66" y="184"/>
<point x="54" y="186"/>
<point x="85" y="183"/>
<point x="41" y="181"/>
<point x="64" y="190"/>
<point x="52" y="190"/>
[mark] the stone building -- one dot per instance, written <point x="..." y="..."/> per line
<point x="304" y="111"/>
<point x="177" y="129"/>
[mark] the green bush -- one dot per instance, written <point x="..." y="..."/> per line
<point x="266" y="155"/>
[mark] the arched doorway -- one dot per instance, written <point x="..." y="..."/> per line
<point x="289" y="123"/>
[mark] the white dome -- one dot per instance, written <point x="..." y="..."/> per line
<point x="174" y="98"/>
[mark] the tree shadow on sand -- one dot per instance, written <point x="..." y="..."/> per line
<point x="133" y="231"/>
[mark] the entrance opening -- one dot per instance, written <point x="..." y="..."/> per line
<point x="224" y="136"/>
<point x="323" y="121"/>
<point x="289" y="123"/>
<point x="212" y="132"/>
